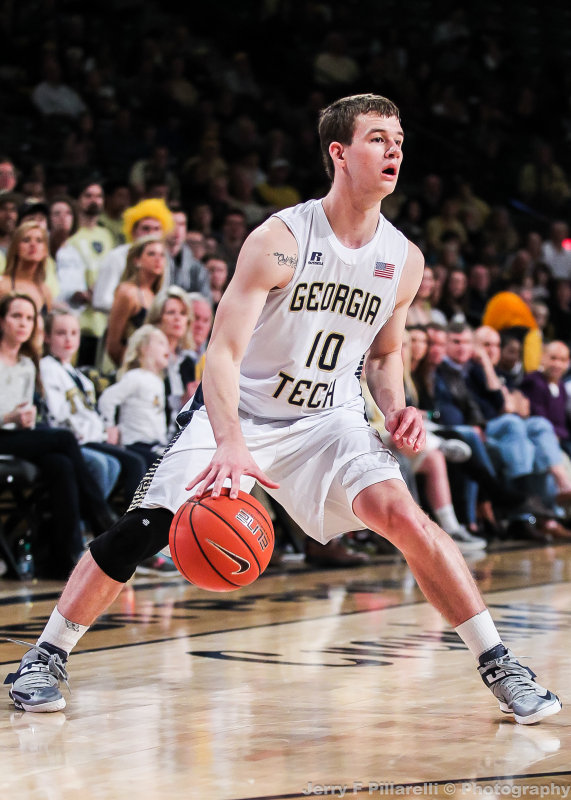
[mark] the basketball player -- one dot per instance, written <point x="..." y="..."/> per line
<point x="315" y="287"/>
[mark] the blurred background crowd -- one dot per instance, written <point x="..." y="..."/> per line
<point x="141" y="144"/>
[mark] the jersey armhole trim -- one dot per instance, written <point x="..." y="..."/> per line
<point x="276" y="289"/>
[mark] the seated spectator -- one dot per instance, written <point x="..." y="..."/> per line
<point x="9" y="203"/>
<point x="185" y="269"/>
<point x="507" y="310"/>
<point x="500" y="232"/>
<point x="557" y="257"/>
<point x="421" y="311"/>
<point x="560" y="310"/>
<point x="52" y="97"/>
<point x="478" y="294"/>
<point x="201" y="325"/>
<point x="78" y="264"/>
<point x="234" y="232"/>
<point x="430" y="463"/>
<point x="447" y="221"/>
<point x="546" y="457"/>
<point x="469" y="392"/>
<point x="71" y="404"/>
<point x="138" y="397"/>
<point x="453" y="300"/>
<point x="510" y="366"/>
<point x="171" y="312"/>
<point x="72" y="492"/>
<point x="218" y="272"/>
<point x="542" y="181"/>
<point x="62" y="221"/>
<point x="26" y="265"/>
<point x="546" y="391"/>
<point x="8" y="174"/>
<point x="276" y="191"/>
<point x="117" y="201"/>
<point x="409" y="222"/>
<point x="476" y="479"/>
<point x="332" y="67"/>
<point x="140" y="283"/>
<point x="147" y="218"/>
<point x="542" y="279"/>
<point x="34" y="210"/>
<point x="196" y="241"/>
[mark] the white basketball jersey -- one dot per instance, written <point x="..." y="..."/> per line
<point x="312" y="334"/>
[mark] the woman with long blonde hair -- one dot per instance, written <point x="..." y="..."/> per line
<point x="141" y="281"/>
<point x="26" y="265"/>
<point x="172" y="312"/>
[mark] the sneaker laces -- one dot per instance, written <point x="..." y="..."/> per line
<point x="520" y="677"/>
<point x="32" y="677"/>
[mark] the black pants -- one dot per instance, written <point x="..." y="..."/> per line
<point x="73" y="494"/>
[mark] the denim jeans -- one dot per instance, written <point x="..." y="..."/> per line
<point x="104" y="469"/>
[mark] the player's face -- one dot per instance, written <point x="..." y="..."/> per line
<point x="174" y="319"/>
<point x="18" y="324"/>
<point x="373" y="159"/>
<point x="64" y="338"/>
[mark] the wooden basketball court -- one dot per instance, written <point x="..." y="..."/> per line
<point x="339" y="683"/>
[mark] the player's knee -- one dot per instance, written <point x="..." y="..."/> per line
<point x="138" y="535"/>
<point x="400" y="520"/>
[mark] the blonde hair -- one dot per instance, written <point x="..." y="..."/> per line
<point x="57" y="313"/>
<point x="155" y="208"/>
<point x="157" y="308"/>
<point x="135" y="346"/>
<point x="135" y="252"/>
<point x="12" y="258"/>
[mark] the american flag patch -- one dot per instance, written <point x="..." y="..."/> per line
<point x="383" y="270"/>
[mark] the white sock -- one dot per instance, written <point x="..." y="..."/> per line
<point x="479" y="633"/>
<point x="61" y="632"/>
<point x="447" y="518"/>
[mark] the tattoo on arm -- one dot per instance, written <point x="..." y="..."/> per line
<point x="287" y="261"/>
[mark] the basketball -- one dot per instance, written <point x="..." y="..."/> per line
<point x="219" y="543"/>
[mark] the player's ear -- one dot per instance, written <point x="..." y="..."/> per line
<point x="337" y="153"/>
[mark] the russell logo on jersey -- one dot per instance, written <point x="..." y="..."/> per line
<point x="316" y="259"/>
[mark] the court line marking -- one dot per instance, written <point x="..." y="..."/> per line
<point x="411" y="785"/>
<point x="420" y="601"/>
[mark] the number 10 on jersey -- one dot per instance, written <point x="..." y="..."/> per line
<point x="323" y="353"/>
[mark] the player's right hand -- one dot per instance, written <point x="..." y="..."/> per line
<point x="229" y="461"/>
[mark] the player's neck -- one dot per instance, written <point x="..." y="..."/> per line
<point x="353" y="221"/>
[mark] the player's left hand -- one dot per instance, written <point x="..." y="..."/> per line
<point x="407" y="430"/>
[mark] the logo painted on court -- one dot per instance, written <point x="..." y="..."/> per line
<point x="242" y="563"/>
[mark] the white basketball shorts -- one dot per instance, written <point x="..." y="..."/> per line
<point x="321" y="462"/>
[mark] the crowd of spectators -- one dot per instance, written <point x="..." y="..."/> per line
<point x="140" y="151"/>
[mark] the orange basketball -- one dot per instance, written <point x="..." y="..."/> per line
<point x="221" y="544"/>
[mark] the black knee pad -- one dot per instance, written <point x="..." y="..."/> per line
<point x="138" y="535"/>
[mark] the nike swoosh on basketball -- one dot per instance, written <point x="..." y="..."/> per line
<point x="243" y="563"/>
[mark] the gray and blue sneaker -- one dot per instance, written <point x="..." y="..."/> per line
<point x="35" y="684"/>
<point x="516" y="690"/>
